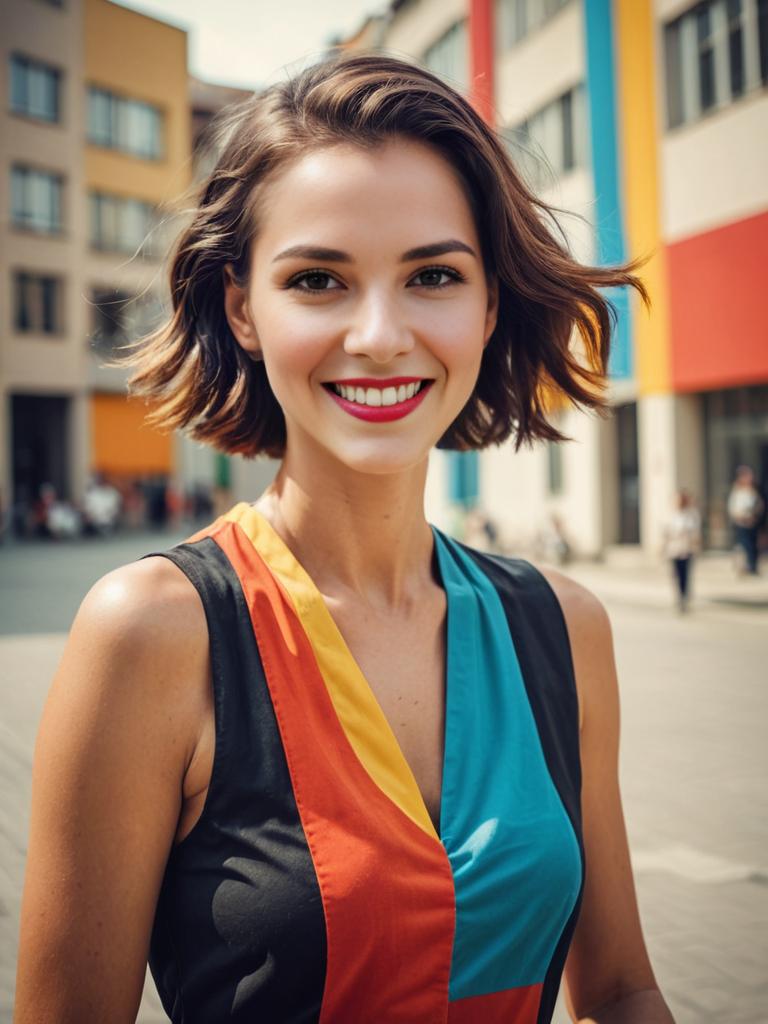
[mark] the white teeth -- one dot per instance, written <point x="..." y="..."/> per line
<point x="378" y="396"/>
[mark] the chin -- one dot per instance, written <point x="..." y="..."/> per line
<point x="380" y="458"/>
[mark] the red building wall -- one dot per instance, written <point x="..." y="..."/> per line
<point x="718" y="286"/>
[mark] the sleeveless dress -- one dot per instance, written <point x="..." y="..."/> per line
<point x="314" y="886"/>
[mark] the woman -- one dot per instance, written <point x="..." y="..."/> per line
<point x="322" y="761"/>
<point x="682" y="542"/>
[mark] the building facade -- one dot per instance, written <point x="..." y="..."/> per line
<point x="645" y="121"/>
<point x="101" y="140"/>
<point x="43" y="398"/>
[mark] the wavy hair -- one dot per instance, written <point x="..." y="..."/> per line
<point x="194" y="374"/>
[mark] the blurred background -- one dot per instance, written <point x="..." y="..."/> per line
<point x="646" y="123"/>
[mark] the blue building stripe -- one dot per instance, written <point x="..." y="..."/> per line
<point x="604" y="146"/>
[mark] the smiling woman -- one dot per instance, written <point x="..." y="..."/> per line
<point x="321" y="762"/>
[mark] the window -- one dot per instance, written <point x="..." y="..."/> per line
<point x="118" y="224"/>
<point x="131" y="126"/>
<point x="38" y="302"/>
<point x="713" y="56"/>
<point x="34" y="89"/>
<point x="552" y="141"/>
<point x="119" y="318"/>
<point x="448" y="57"/>
<point x="36" y="199"/>
<point x="515" y="19"/>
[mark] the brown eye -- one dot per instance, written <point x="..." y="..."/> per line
<point x="437" y="277"/>
<point x="313" y="281"/>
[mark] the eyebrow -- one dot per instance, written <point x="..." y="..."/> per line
<point x="421" y="252"/>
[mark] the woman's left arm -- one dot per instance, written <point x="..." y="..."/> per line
<point x="608" y="976"/>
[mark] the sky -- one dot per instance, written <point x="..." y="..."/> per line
<point x="250" y="42"/>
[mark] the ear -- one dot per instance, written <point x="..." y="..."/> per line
<point x="238" y="314"/>
<point x="492" y="313"/>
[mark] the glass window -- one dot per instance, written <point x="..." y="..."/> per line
<point x="713" y="57"/>
<point x="762" y="35"/>
<point x="449" y="57"/>
<point x="516" y="19"/>
<point x="552" y="141"/>
<point x="735" y="47"/>
<point x="706" y="57"/>
<point x="38" y="303"/>
<point x="121" y="224"/>
<point x="36" y="199"/>
<point x="674" y="74"/>
<point x="128" y="125"/>
<point x="100" y="116"/>
<point x="34" y="88"/>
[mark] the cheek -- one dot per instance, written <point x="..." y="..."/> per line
<point x="293" y="341"/>
<point x="458" y="335"/>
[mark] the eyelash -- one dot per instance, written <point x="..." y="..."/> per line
<point x="454" y="275"/>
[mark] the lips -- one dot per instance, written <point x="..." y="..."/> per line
<point x="379" y="400"/>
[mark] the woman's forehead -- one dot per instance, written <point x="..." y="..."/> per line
<point x="347" y="188"/>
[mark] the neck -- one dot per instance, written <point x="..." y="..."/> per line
<point x="361" y="534"/>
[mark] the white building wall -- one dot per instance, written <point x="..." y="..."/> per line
<point x="541" y="67"/>
<point x="416" y="26"/>
<point x="732" y="145"/>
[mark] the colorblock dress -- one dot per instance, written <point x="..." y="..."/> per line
<point x="314" y="886"/>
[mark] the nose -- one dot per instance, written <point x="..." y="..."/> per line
<point x="378" y="330"/>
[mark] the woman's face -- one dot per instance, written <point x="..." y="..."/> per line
<point x="368" y="302"/>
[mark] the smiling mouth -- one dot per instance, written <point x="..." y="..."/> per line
<point x="379" y="401"/>
<point x="375" y="397"/>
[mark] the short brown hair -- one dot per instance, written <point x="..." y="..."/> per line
<point x="196" y="376"/>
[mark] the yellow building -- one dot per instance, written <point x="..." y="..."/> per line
<point x="137" y="162"/>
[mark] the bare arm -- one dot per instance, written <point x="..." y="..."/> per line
<point x="117" y="733"/>
<point x="608" y="976"/>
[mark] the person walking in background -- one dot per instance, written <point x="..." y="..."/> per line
<point x="682" y="541"/>
<point x="745" y="508"/>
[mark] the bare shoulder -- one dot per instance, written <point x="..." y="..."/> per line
<point x="584" y="613"/>
<point x="151" y="601"/>
<point x="138" y="647"/>
<point x="590" y="635"/>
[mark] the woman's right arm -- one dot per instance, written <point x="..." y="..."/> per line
<point x="117" y="733"/>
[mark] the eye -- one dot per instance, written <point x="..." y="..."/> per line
<point x="437" y="277"/>
<point x="313" y="281"/>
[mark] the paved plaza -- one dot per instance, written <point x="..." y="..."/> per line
<point x="694" y="757"/>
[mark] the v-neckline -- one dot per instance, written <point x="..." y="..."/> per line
<point x="310" y="603"/>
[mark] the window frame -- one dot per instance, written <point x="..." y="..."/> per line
<point x="28" y="288"/>
<point x="687" y="56"/>
<point x="124" y="117"/>
<point x="103" y="205"/>
<point x="27" y="66"/>
<point x="22" y="177"/>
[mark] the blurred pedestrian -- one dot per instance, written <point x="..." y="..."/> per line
<point x="682" y="541"/>
<point x="745" y="509"/>
<point x="322" y="760"/>
<point x="101" y="506"/>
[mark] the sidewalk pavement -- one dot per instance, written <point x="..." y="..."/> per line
<point x="715" y="583"/>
